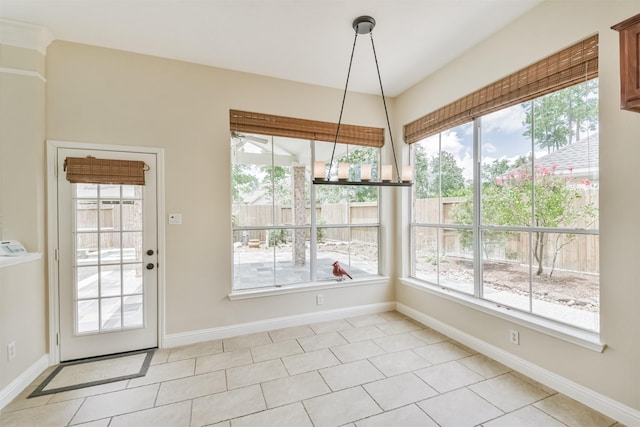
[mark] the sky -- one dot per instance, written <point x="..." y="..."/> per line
<point x="501" y="138"/>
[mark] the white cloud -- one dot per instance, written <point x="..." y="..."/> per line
<point x="507" y="120"/>
<point x="488" y="148"/>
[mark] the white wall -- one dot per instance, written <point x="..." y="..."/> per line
<point x="546" y="29"/>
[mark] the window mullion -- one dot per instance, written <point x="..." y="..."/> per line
<point x="477" y="212"/>
<point x="313" y="238"/>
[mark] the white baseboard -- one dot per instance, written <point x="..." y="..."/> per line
<point x="603" y="404"/>
<point x="16" y="386"/>
<point x="185" y="338"/>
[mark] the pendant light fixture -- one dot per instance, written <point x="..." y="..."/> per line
<point x="363" y="25"/>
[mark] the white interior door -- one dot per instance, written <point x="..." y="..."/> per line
<point x="107" y="261"/>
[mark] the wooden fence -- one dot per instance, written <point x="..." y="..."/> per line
<point x="577" y="252"/>
<point x="580" y="253"/>
<point x="326" y="215"/>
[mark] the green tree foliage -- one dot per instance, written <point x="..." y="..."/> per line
<point x="338" y="194"/>
<point x="244" y="181"/>
<point x="491" y="171"/>
<point x="560" y="118"/>
<point x="422" y="172"/>
<point x="514" y="195"/>
<point x="277" y="183"/>
<point x="508" y="200"/>
<point x="448" y="179"/>
<point x="438" y="176"/>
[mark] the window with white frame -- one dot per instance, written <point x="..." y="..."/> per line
<point x="505" y="207"/>
<point x="287" y="231"/>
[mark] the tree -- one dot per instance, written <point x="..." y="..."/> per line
<point x="337" y="194"/>
<point x="559" y="118"/>
<point x="438" y="176"/>
<point x="448" y="180"/>
<point x="508" y="202"/>
<point x="513" y="194"/>
<point x="491" y="171"/>
<point x="277" y="183"/>
<point x="422" y="172"/>
<point x="244" y="181"/>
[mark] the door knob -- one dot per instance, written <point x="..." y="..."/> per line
<point x="150" y="266"/>
<point x="150" y="252"/>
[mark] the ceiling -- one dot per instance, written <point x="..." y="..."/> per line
<point x="307" y="41"/>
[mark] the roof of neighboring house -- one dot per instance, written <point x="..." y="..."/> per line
<point x="582" y="155"/>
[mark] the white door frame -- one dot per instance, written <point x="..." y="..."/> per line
<point x="53" y="244"/>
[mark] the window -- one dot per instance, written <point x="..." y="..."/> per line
<point x="287" y="231"/>
<point x="505" y="208"/>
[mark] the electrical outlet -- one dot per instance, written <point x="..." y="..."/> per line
<point x="514" y="337"/>
<point x="11" y="350"/>
<point x="319" y="299"/>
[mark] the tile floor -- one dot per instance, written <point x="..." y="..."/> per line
<point x="375" y="370"/>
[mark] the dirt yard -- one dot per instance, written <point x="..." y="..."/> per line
<point x="572" y="289"/>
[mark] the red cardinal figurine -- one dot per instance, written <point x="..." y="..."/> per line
<point x="340" y="272"/>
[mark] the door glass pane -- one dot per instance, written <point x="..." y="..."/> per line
<point x="87" y="280"/>
<point x="109" y="191"/>
<point x="132" y="310"/>
<point x="87" y="215"/>
<point x="132" y="191"/>
<point x="110" y="250"/>
<point x="88" y="191"/>
<point x="132" y="215"/>
<point x="132" y="278"/>
<point x="87" y="248"/>
<point x="132" y="247"/>
<point x="110" y="283"/>
<point x="109" y="215"/>
<point x="87" y="316"/>
<point x="108" y="257"/>
<point x="111" y="313"/>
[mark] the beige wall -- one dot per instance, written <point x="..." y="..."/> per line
<point x="97" y="95"/>
<point x="546" y="29"/>
<point x="22" y="207"/>
<point x="103" y="96"/>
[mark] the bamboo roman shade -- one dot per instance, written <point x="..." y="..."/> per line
<point x="568" y="67"/>
<point x="89" y="170"/>
<point x="266" y="124"/>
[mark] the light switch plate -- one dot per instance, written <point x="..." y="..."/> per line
<point x="175" y="218"/>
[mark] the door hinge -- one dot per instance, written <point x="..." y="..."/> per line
<point x="57" y="339"/>
<point x="55" y="254"/>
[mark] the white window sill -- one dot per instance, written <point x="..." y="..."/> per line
<point x="577" y="336"/>
<point x="305" y="287"/>
<point x="6" y="261"/>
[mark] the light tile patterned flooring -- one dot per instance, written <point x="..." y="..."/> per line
<point x="375" y="370"/>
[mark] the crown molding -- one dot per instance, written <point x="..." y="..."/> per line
<point x="28" y="36"/>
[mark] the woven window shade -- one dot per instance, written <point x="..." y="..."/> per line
<point x="570" y="66"/>
<point x="266" y="124"/>
<point x="89" y="170"/>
